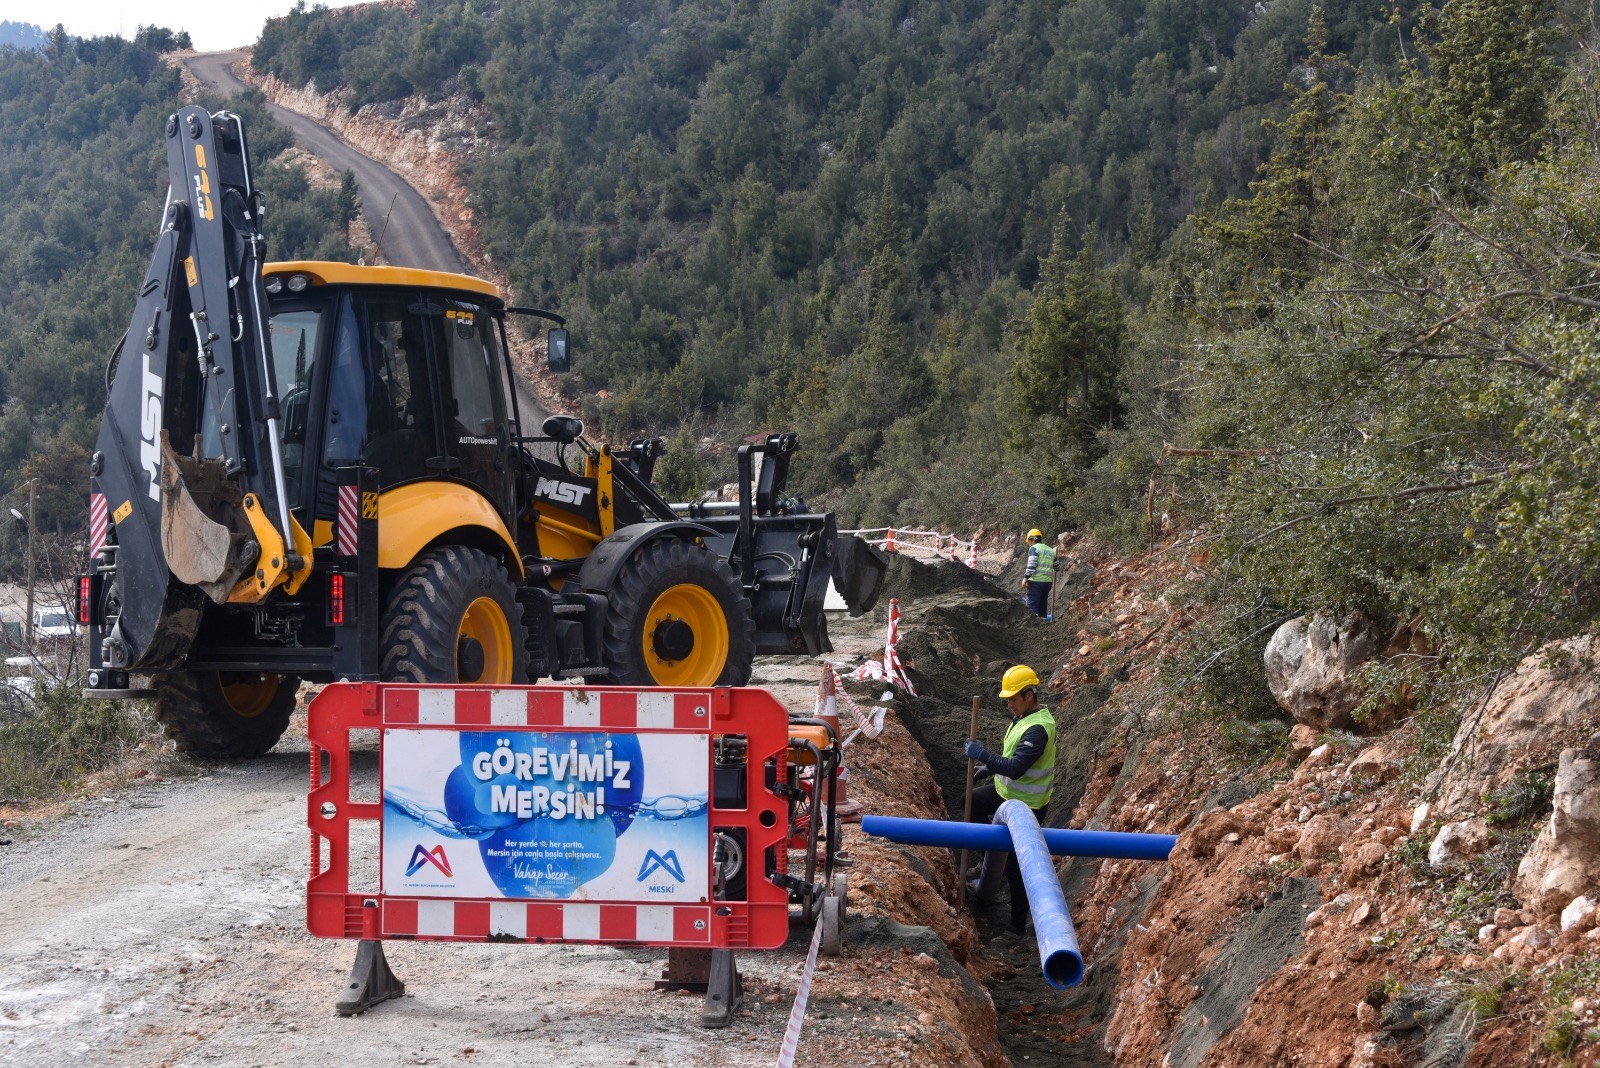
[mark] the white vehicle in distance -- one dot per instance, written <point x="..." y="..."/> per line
<point x="54" y="621"/>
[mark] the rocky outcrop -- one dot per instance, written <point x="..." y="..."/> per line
<point x="1564" y="862"/>
<point x="1312" y="664"/>
<point x="1546" y="705"/>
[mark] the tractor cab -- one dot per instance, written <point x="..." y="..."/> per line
<point x="395" y="369"/>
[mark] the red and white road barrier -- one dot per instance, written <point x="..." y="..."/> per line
<point x="797" y="1015"/>
<point x="929" y="543"/>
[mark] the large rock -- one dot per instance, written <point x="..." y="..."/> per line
<point x="1311" y="667"/>
<point x="1458" y="842"/>
<point x="1564" y="862"/>
<point x="1547" y="704"/>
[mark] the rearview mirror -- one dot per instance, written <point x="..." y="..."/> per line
<point x="558" y="355"/>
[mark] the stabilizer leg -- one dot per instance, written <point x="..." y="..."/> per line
<point x="723" y="992"/>
<point x="371" y="981"/>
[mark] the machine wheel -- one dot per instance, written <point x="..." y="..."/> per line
<point x="832" y="926"/>
<point x="453" y="617"/>
<point x="677" y="616"/>
<point x="224" y="714"/>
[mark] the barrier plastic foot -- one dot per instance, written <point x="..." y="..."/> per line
<point x="723" y="991"/>
<point x="371" y="981"/>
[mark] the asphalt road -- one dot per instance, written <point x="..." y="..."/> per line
<point x="413" y="237"/>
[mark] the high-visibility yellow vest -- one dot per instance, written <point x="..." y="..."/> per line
<point x="1034" y="786"/>
<point x="1044" y="568"/>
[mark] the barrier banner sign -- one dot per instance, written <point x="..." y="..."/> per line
<point x="550" y="814"/>
<point x="568" y="815"/>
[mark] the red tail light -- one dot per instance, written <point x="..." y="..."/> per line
<point x="336" y="600"/>
<point x="85" y="598"/>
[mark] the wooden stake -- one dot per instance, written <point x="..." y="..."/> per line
<point x="966" y="815"/>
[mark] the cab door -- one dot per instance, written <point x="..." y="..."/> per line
<point x="475" y="416"/>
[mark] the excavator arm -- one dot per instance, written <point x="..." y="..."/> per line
<point x="188" y="458"/>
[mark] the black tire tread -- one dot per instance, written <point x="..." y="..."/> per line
<point x="422" y="617"/>
<point x="195" y="715"/>
<point x="653" y="568"/>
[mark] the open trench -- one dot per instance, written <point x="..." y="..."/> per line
<point x="960" y="629"/>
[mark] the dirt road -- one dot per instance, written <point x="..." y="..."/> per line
<point x="413" y="236"/>
<point x="166" y="927"/>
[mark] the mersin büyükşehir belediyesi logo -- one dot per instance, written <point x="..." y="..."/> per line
<point x="434" y="856"/>
<point x="654" y="862"/>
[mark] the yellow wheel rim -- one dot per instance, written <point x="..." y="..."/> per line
<point x="251" y="695"/>
<point x="486" y="624"/>
<point x="686" y="637"/>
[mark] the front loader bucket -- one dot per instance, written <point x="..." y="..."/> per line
<point x="858" y="570"/>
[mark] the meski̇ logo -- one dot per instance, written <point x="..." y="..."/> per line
<point x="435" y="856"/>
<point x="668" y="862"/>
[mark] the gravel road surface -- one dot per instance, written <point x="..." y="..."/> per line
<point x="165" y="926"/>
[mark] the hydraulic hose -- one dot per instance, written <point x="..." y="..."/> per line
<point x="1111" y="845"/>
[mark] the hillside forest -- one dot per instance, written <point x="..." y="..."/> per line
<point x="1308" y="286"/>
<point x="82" y="188"/>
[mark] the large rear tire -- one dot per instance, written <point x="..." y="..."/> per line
<point x="676" y="616"/>
<point x="220" y="715"/>
<point x="453" y="617"/>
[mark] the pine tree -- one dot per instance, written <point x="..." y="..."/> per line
<point x="1066" y="377"/>
<point x="1492" y="70"/>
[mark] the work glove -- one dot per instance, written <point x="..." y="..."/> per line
<point x="975" y="750"/>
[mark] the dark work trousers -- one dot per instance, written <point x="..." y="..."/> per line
<point x="1039" y="597"/>
<point x="986" y="801"/>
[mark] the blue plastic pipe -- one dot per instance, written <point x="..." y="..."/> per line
<point x="1059" y="956"/>
<point x="1111" y="845"/>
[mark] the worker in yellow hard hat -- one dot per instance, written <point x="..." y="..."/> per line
<point x="1024" y="770"/>
<point x="1039" y="577"/>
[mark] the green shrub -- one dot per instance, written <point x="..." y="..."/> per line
<point x="51" y="738"/>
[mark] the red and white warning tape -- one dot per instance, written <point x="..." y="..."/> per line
<point x="869" y="723"/>
<point x="797" y="1015"/>
<point x="930" y="542"/>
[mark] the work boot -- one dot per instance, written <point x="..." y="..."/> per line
<point x="991" y="874"/>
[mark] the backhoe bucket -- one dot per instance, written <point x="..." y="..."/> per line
<point x="200" y="551"/>
<point x="858" y="570"/>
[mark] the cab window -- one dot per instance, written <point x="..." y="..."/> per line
<point x="294" y="335"/>
<point x="474" y="365"/>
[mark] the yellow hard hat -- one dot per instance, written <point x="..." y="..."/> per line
<point x="1035" y="533"/>
<point x="1017" y="679"/>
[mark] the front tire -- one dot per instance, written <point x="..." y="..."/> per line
<point x="453" y="617"/>
<point x="221" y="715"/>
<point x="676" y="616"/>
